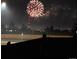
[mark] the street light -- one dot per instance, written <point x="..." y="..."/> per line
<point x="3" y="5"/>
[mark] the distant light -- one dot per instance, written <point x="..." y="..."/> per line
<point x="3" y="5"/>
<point x="15" y="30"/>
<point x="6" y="30"/>
<point x="10" y="30"/>
<point x="22" y="34"/>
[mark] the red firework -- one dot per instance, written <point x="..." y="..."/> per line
<point x="35" y="8"/>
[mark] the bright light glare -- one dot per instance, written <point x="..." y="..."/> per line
<point x="3" y="5"/>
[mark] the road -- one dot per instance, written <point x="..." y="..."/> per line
<point x="15" y="38"/>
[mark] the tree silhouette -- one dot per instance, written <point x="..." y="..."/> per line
<point x="3" y="29"/>
<point x="49" y="29"/>
<point x="74" y="31"/>
<point x="12" y="27"/>
<point x="24" y="28"/>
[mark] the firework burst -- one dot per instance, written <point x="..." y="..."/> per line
<point x="35" y="8"/>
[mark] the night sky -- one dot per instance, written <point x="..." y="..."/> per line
<point x="62" y="13"/>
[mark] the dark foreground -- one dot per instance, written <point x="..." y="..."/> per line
<point x="41" y="48"/>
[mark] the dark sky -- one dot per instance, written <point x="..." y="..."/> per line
<point x="65" y="13"/>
